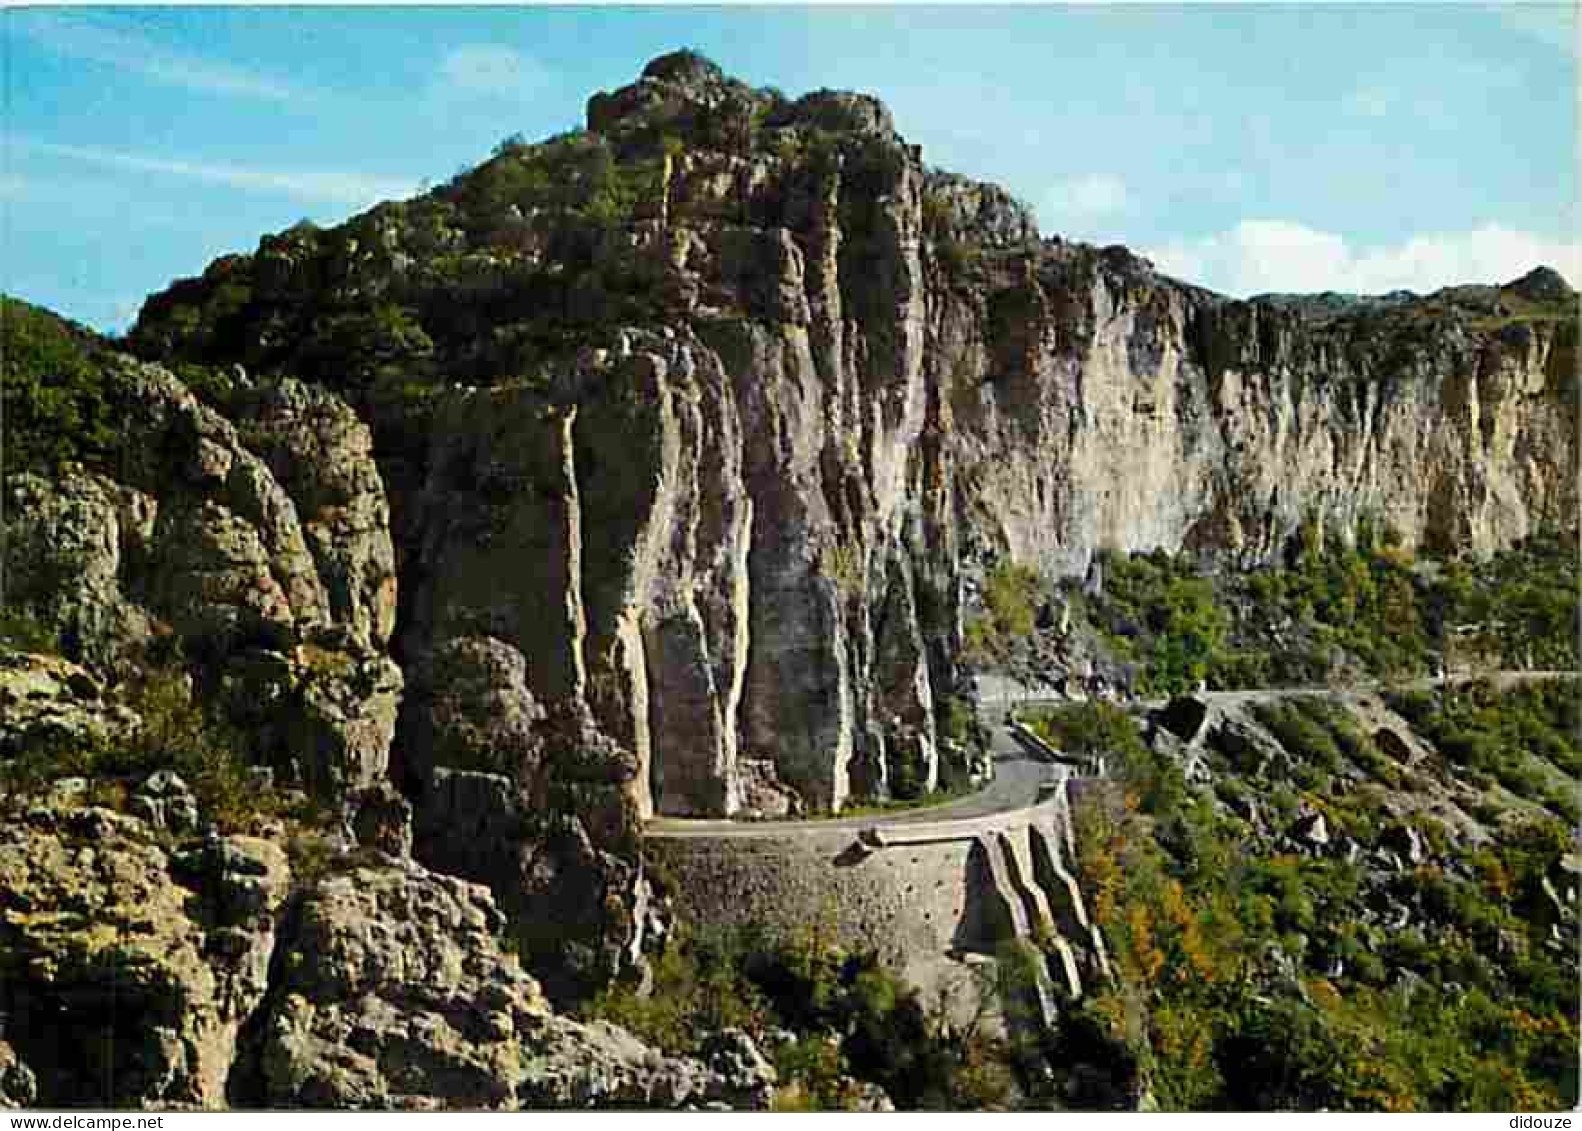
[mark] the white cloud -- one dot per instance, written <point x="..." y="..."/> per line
<point x="328" y="187"/>
<point x="491" y="71"/>
<point x="96" y="40"/>
<point x="1278" y="255"/>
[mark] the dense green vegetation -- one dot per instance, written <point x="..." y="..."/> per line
<point x="1338" y="613"/>
<point x="54" y="399"/>
<point x="487" y="279"/>
<point x="577" y="174"/>
<point x="849" y="1020"/>
<point x="1523" y="739"/>
<point x="1179" y="627"/>
<point x="22" y="632"/>
<point x="58" y="397"/>
<point x="1251" y="975"/>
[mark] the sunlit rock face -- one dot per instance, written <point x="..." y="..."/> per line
<point x="694" y="423"/>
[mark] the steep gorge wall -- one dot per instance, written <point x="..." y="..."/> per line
<point x="1136" y="413"/>
<point x="685" y="506"/>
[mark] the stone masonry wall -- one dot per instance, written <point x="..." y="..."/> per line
<point x="914" y="894"/>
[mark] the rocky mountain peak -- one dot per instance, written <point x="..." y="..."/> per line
<point x="690" y="97"/>
<point x="840" y="111"/>
<point x="686" y="68"/>
<point x="1542" y="284"/>
<point x="683" y="94"/>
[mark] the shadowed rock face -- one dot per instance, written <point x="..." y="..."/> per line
<point x="141" y="975"/>
<point x="717" y="403"/>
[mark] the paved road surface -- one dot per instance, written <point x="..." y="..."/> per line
<point x="1502" y="680"/>
<point x="1014" y="786"/>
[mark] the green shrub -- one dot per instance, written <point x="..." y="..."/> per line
<point x="1010" y="596"/>
<point x="699" y="986"/>
<point x="956" y="722"/>
<point x="176" y="734"/>
<point x="1498" y="735"/>
<point x="853" y="1018"/>
<point x="1368" y="605"/>
<point x="55" y="397"/>
<point x="22" y="631"/>
<point x="1294" y="725"/>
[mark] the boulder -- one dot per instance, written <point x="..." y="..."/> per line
<point x="1311" y="830"/>
<point x="18" y="1086"/>
<point x="396" y="994"/>
<point x="1405" y="842"/>
<point x="47" y="702"/>
<point x="470" y="708"/>
<point x="744" y="1076"/>
<point x="763" y="793"/>
<point x="166" y="802"/>
<point x="339" y="730"/>
<point x="63" y="558"/>
<point x="126" y="972"/>
<point x="323" y="712"/>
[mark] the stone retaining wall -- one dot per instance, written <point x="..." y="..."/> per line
<point x="913" y="893"/>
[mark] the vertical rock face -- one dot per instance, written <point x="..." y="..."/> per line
<point x="749" y="390"/>
<point x="319" y="451"/>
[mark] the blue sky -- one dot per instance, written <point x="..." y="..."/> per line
<point x="1247" y="148"/>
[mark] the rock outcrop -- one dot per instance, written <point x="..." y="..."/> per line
<point x="696" y="423"/>
<point x="127" y="970"/>
<point x="134" y="974"/>
<point x="394" y="994"/>
<point x="48" y="702"/>
<point x="256" y="546"/>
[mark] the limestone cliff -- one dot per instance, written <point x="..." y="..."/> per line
<point x="693" y="424"/>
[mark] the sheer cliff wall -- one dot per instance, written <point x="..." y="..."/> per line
<point x="695" y="424"/>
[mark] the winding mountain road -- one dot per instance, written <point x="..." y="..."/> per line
<point x="1017" y="783"/>
<point x="1019" y="779"/>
